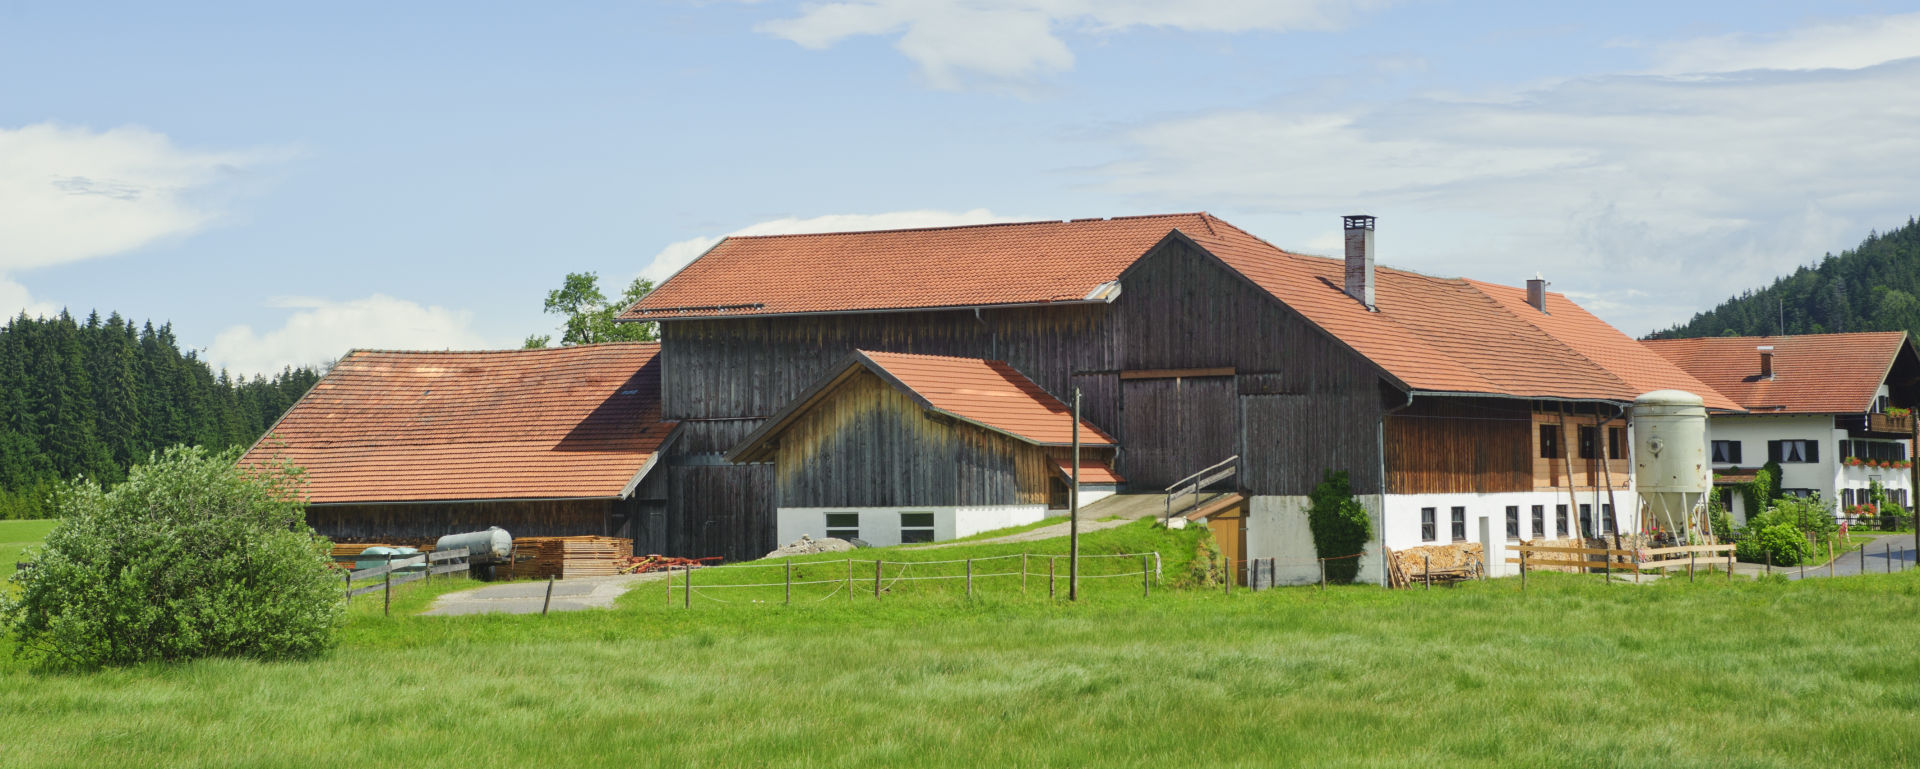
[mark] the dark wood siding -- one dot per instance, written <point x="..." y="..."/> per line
<point x="1178" y="426"/>
<point x="723" y="510"/>
<point x="1306" y="403"/>
<point x="868" y="445"/>
<point x="1460" y="445"/>
<point x="427" y="521"/>
<point x="751" y="367"/>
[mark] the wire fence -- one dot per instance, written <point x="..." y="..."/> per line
<point x="789" y="582"/>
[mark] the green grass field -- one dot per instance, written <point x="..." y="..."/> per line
<point x="1568" y="674"/>
<point x="15" y="537"/>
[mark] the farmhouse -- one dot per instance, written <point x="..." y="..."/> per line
<point x="858" y="381"/>
<point x="1832" y="409"/>
<point x="415" y="445"/>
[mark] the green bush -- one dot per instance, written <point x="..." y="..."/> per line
<point x="1341" y="526"/>
<point x="190" y="557"/>
<point x="1784" y="541"/>
<point x="1207" y="569"/>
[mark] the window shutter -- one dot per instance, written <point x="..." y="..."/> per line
<point x="1813" y="451"/>
<point x="1773" y="451"/>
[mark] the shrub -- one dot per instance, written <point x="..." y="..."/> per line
<point x="1341" y="526"/>
<point x="1207" y="569"/>
<point x="190" y="557"/>
<point x="1781" y="539"/>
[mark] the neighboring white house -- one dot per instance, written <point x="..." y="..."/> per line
<point x="1830" y="408"/>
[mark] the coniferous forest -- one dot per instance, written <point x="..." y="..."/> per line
<point x="91" y="398"/>
<point x="1873" y="287"/>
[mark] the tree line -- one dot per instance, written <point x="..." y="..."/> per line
<point x="92" y="398"/>
<point x="1873" y="287"/>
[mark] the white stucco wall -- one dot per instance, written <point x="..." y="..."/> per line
<point x="880" y="526"/>
<point x="1828" y="476"/>
<point x="1277" y="526"/>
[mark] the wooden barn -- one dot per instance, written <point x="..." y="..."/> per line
<point x="404" y="446"/>
<point x="1461" y="410"/>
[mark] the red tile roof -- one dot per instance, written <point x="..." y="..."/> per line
<point x="1438" y="335"/>
<point x="569" y="422"/>
<point x="969" y="266"/>
<point x="1094" y="471"/>
<point x="986" y="392"/>
<point x="1812" y="373"/>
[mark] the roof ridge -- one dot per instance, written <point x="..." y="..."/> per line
<point x="1776" y="337"/>
<point x="592" y="345"/>
<point x="979" y="225"/>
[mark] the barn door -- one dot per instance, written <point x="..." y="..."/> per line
<point x="1175" y="426"/>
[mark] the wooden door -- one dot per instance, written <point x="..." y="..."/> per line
<point x="1174" y="427"/>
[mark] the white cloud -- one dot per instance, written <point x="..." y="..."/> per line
<point x="15" y="299"/>
<point x="68" y="194"/>
<point x="322" y="331"/>
<point x="678" y="254"/>
<point x="955" y="41"/>
<point x="1842" y="44"/>
<point x="1656" y="196"/>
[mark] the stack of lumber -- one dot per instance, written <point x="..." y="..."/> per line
<point x="569" y="557"/>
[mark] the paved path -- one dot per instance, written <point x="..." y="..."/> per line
<point x="526" y="597"/>
<point x="1878" y="560"/>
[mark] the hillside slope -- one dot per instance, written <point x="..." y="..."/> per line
<point x="1873" y="287"/>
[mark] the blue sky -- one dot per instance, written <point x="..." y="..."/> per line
<point x="288" y="183"/>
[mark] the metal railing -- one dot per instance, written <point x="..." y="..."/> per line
<point x="1193" y="485"/>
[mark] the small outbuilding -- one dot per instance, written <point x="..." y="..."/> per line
<point x="892" y="448"/>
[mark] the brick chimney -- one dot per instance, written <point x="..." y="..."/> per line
<point x="1359" y="229"/>
<point x="1766" y="361"/>
<point x="1537" y="292"/>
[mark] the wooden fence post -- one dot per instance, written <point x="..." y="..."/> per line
<point x="1829" y="557"/>
<point x="1050" y="560"/>
<point x="386" y="593"/>
<point x="1323" y="575"/>
<point x="1426" y="571"/>
<point x="789" y="581"/>
<point x="1889" y="556"/>
<point x="1273" y="572"/>
<point x="1769" y="552"/>
<point x="1523" y="569"/>
<point x="349" y="576"/>
<point x="1023" y="573"/>
<point x="1690" y="562"/>
<point x="876" y="579"/>
<point x="849" y="580"/>
<point x="1146" y="581"/>
<point x="686" y="583"/>
<point x="969" y="577"/>
<point x="549" y="600"/>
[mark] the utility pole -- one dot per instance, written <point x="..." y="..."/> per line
<point x="1073" y="516"/>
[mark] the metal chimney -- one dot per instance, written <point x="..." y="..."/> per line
<point x="1537" y="292"/>
<point x="1359" y="229"/>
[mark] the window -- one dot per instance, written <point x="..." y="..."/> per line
<point x="1588" y="436"/>
<point x="1846" y="498"/>
<point x="1549" y="441"/>
<point x="1616" y="442"/>
<point x="1427" y="533"/>
<point x="1606" y="515"/>
<point x="1459" y="524"/>
<point x="1586" y="520"/>
<point x="1513" y="521"/>
<point x="1726" y="452"/>
<point x="843" y="525"/>
<point x="1539" y="520"/>
<point x="1560" y="520"/>
<point x="1793" y="451"/>
<point x="916" y="527"/>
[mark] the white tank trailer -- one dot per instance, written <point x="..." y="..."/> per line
<point x="1671" y="473"/>
<point x="484" y="548"/>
